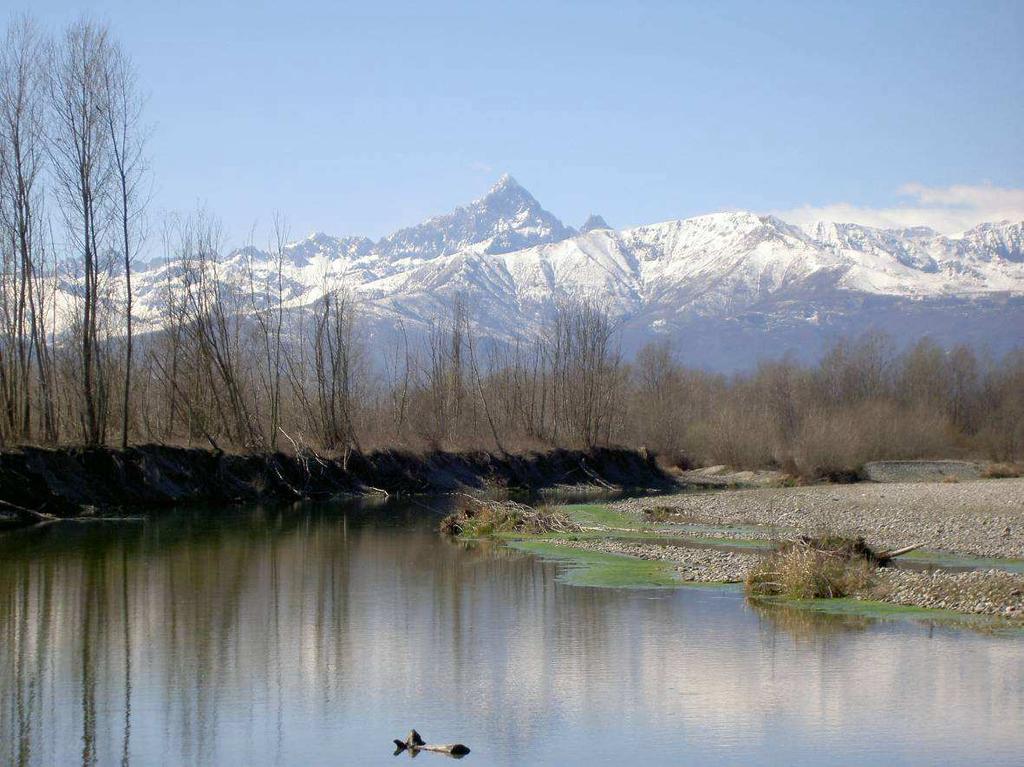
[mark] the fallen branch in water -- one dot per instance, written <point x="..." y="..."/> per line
<point x="32" y="517"/>
<point x="26" y="516"/>
<point x="413" y="743"/>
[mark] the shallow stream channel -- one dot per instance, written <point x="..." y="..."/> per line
<point x="316" y="634"/>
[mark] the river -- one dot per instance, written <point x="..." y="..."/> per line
<point x="315" y="635"/>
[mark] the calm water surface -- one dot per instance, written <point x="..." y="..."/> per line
<point x="314" y="636"/>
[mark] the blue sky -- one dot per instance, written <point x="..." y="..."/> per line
<point x="357" y="118"/>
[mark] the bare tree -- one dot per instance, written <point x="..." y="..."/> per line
<point x="213" y="320"/>
<point x="337" y="358"/>
<point x="398" y="371"/>
<point x="80" y="148"/>
<point x="445" y="415"/>
<point x="266" y="303"/>
<point x="22" y="156"/>
<point x="127" y="141"/>
<point x="656" y="397"/>
<point x="586" y="374"/>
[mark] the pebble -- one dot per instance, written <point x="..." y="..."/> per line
<point x="989" y="592"/>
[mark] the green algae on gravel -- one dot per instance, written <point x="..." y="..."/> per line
<point x="597" y="568"/>
<point x="617" y="525"/>
<point x="599" y="515"/>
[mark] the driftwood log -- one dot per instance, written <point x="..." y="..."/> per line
<point x="413" y="743"/>
<point x="885" y="556"/>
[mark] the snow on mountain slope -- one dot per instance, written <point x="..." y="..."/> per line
<point x="713" y="262"/>
<point x="743" y="282"/>
<point x="994" y="242"/>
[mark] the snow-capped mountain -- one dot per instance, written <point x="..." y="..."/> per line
<point x="727" y="288"/>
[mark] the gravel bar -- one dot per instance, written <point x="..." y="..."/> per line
<point x="975" y="518"/>
<point x="992" y="592"/>
<point x="980" y="518"/>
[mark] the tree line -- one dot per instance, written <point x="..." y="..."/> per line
<point x="865" y="400"/>
<point x="233" y="363"/>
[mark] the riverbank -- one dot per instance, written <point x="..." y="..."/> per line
<point x="72" y="482"/>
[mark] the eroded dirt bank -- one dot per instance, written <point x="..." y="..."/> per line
<point x="69" y="482"/>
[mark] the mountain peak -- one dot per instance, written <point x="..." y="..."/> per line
<point x="594" y="221"/>
<point x="508" y="193"/>
<point x="505" y="182"/>
<point x="507" y="218"/>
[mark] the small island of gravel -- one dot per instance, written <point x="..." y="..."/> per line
<point x="968" y="536"/>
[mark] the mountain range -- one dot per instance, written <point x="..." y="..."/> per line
<point x="726" y="289"/>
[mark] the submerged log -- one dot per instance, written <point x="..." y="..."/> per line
<point x="413" y="743"/>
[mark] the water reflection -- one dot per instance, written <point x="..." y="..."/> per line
<point x="315" y="636"/>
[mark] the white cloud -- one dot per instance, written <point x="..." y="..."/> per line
<point x="948" y="209"/>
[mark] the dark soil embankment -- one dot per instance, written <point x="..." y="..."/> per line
<point x="65" y="482"/>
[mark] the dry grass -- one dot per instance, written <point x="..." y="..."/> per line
<point x="824" y="567"/>
<point x="478" y="518"/>
<point x="1003" y="471"/>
